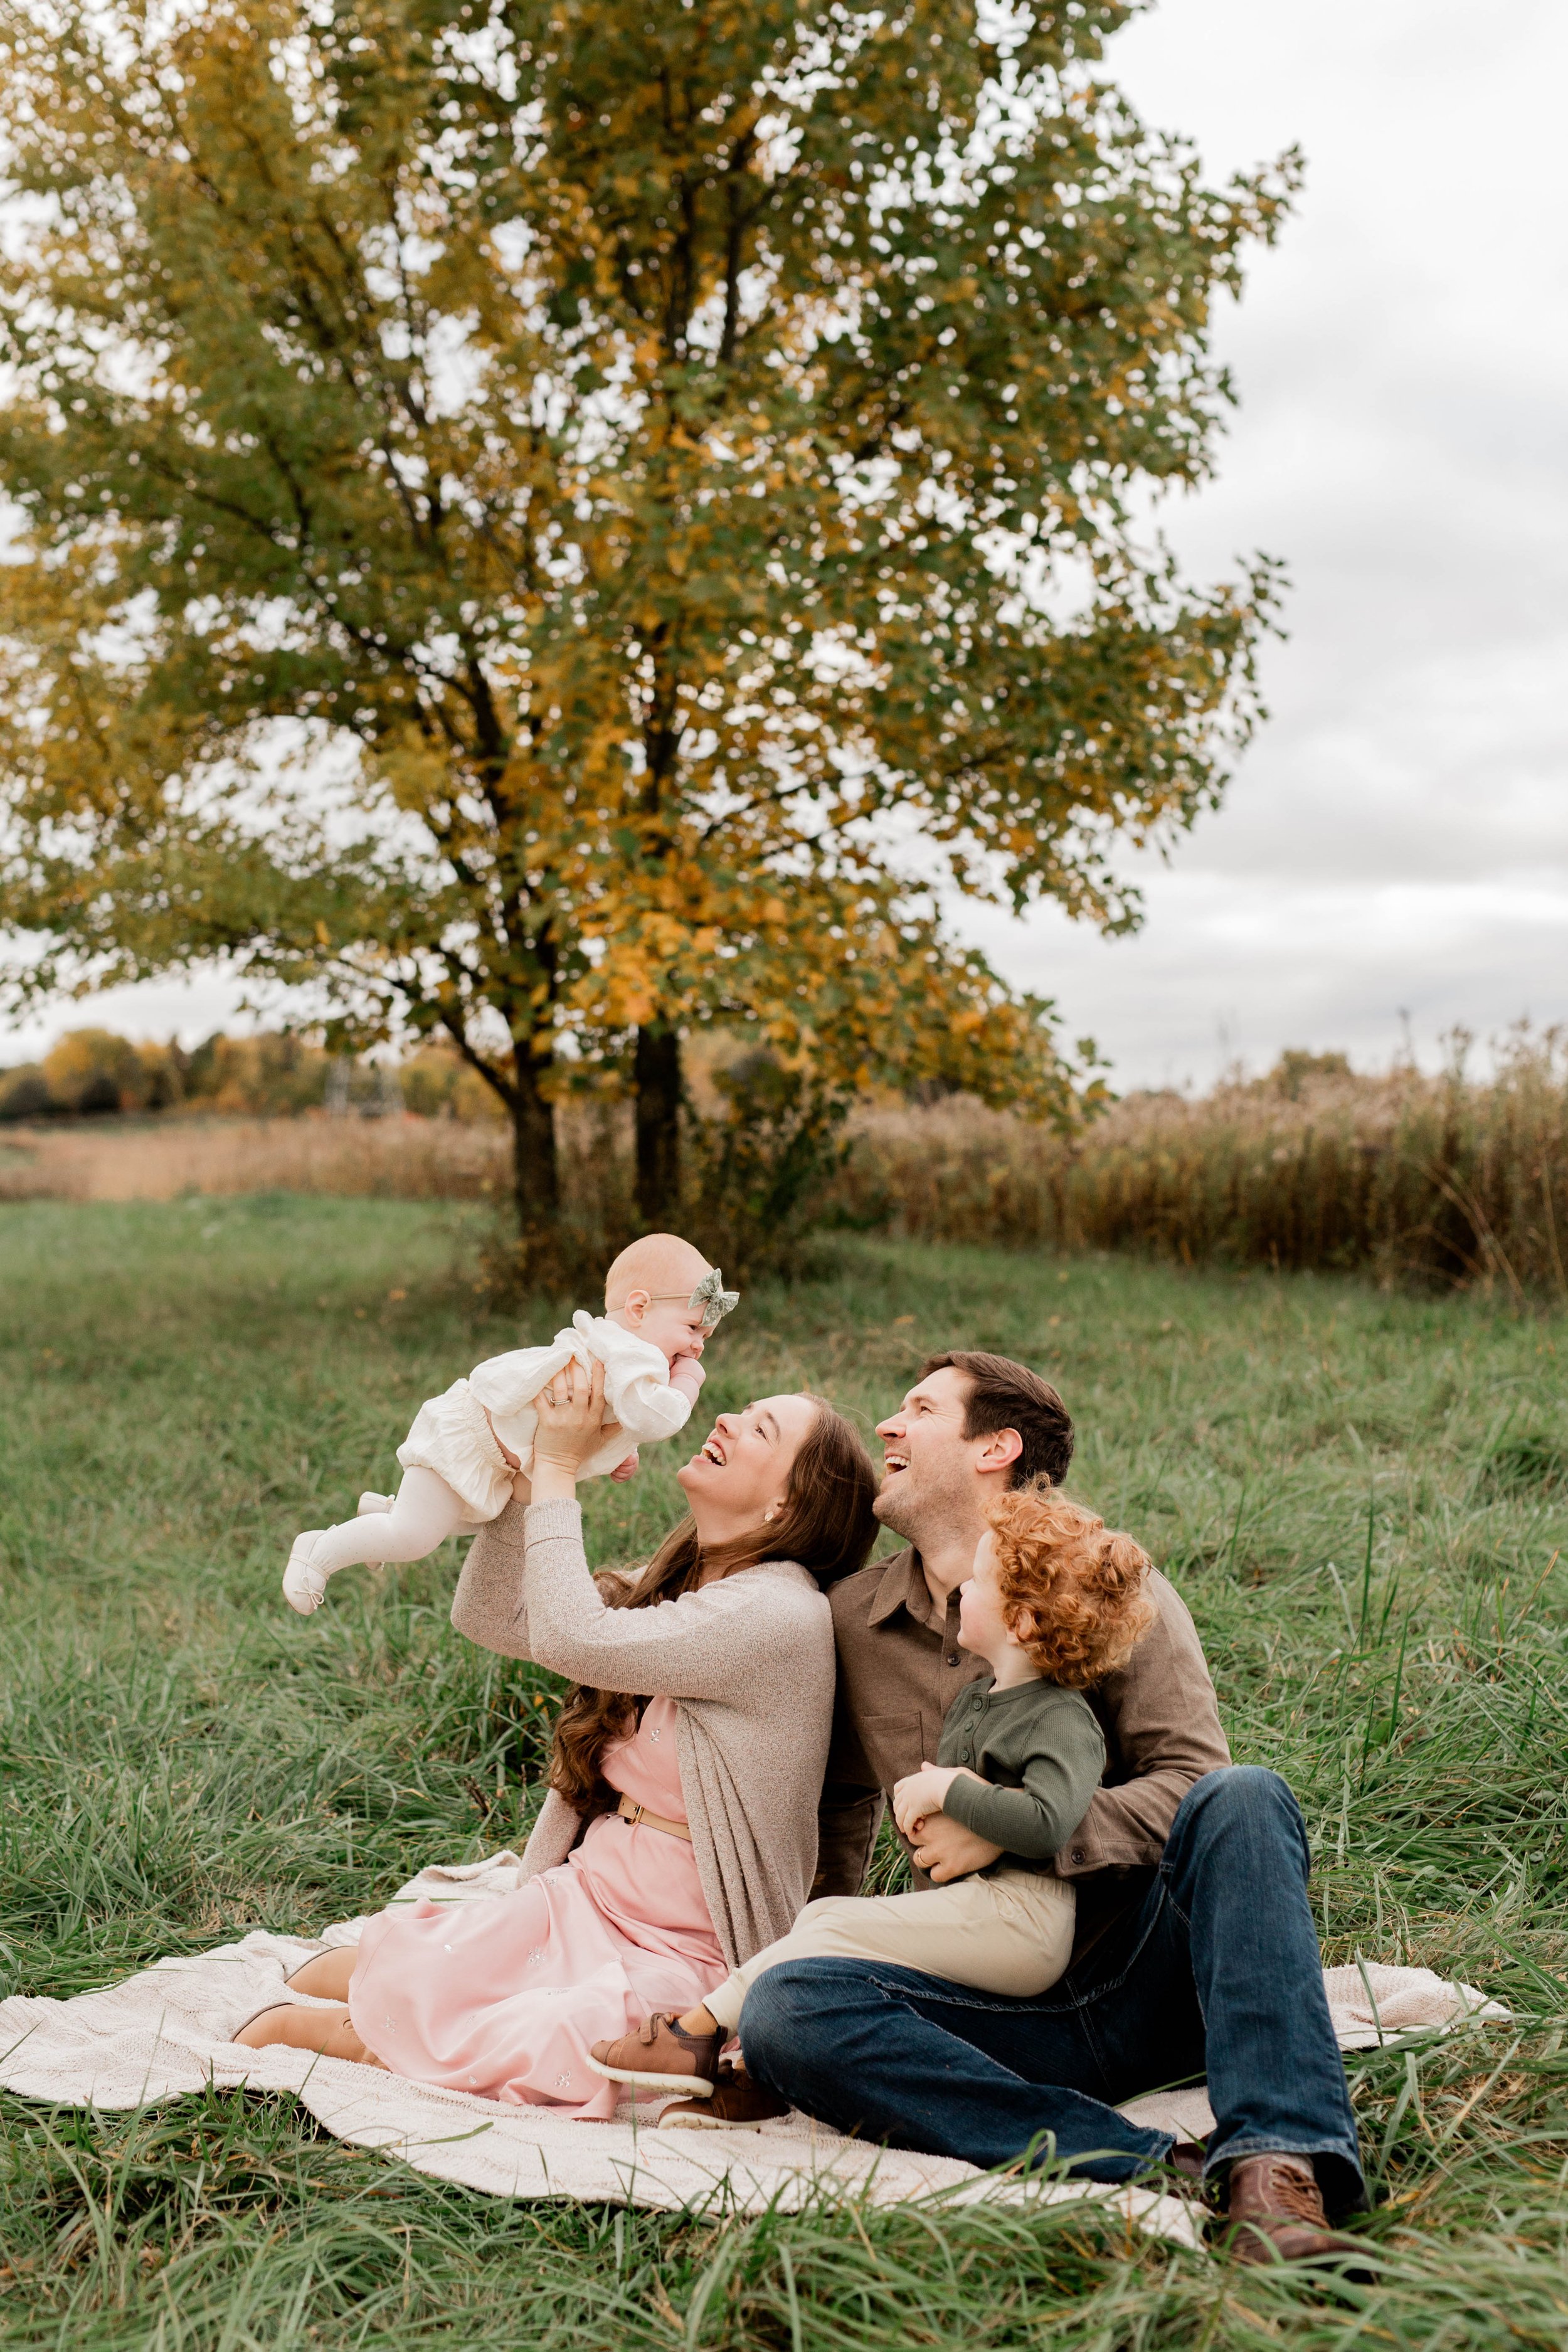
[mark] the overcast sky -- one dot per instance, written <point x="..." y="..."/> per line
<point x="1398" y="834"/>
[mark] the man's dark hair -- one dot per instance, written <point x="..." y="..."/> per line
<point x="1005" y="1395"/>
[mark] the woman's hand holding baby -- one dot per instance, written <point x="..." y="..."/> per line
<point x="947" y="1851"/>
<point x="572" y="1425"/>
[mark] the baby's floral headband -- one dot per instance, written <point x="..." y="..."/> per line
<point x="715" y="1301"/>
<point x="710" y="1298"/>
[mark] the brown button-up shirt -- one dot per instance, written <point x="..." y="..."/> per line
<point x="899" y="1668"/>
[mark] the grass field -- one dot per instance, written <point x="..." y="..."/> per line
<point x="1361" y="1495"/>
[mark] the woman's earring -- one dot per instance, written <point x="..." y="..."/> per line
<point x="770" y="1515"/>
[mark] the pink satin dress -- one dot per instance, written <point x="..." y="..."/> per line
<point x="505" y="1997"/>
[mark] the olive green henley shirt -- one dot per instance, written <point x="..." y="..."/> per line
<point x="1039" y="1754"/>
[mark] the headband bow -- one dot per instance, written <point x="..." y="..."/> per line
<point x="714" y="1300"/>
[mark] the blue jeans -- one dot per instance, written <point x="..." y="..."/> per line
<point x="1216" y="1973"/>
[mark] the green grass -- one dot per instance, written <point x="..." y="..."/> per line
<point x="1362" y="1498"/>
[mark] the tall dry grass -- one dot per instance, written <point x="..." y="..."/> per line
<point x="1404" y="1176"/>
<point x="388" y="1159"/>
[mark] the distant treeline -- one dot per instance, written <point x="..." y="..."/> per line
<point x="1445" y="1180"/>
<point x="93" y="1073"/>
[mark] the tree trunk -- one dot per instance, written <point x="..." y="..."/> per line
<point x="657" y="1076"/>
<point x="536" y="1177"/>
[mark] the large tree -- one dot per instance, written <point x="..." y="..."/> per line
<point x="558" y="522"/>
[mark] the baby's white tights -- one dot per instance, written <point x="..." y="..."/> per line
<point x="423" y="1513"/>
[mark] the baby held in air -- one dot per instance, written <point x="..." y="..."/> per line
<point x="662" y="1300"/>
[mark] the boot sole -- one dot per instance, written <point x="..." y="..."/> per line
<point x="690" y="2087"/>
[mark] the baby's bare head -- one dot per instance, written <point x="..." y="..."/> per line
<point x="648" y="1290"/>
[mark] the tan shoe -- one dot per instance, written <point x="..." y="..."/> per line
<point x="660" y="2057"/>
<point x="1275" y="2214"/>
<point x="740" y="2104"/>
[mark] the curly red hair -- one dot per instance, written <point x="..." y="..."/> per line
<point x="1072" y="1591"/>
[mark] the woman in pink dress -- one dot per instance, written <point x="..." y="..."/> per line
<point x="679" y="1833"/>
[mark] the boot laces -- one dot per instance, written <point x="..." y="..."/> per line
<point x="1290" y="2192"/>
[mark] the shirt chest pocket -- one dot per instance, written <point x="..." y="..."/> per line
<point x="892" y="1745"/>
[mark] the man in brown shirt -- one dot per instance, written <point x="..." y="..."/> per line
<point x="1195" y="1951"/>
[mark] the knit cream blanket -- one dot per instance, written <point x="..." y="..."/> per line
<point x="166" y="2031"/>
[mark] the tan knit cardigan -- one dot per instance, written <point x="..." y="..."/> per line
<point x="749" y="1663"/>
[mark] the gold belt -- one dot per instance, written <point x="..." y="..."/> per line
<point x="630" y="1812"/>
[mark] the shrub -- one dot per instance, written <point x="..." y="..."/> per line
<point x="265" y="1076"/>
<point x="92" y="1070"/>
<point x="760" y="1147"/>
<point x="759" y="1167"/>
<point x="25" y="1093"/>
<point x="163" y="1076"/>
<point x="568" y="1260"/>
<point x="438" y="1084"/>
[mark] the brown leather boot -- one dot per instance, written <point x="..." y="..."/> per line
<point x="660" y="2057"/>
<point x="1275" y="2210"/>
<point x="740" y="2104"/>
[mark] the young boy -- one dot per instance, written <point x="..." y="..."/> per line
<point x="1054" y="1601"/>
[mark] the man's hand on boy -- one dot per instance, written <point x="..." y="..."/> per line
<point x="947" y="1851"/>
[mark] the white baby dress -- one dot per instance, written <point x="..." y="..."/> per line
<point x="451" y="1436"/>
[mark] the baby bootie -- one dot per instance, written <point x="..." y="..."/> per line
<point x="304" y="1586"/>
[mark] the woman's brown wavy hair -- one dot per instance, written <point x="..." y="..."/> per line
<point x="1073" y="1591"/>
<point x="826" y="1525"/>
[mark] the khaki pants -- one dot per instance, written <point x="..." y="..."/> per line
<point x="1010" y="1932"/>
